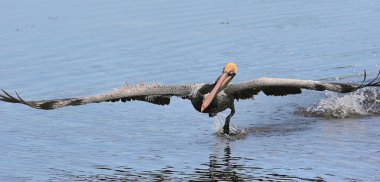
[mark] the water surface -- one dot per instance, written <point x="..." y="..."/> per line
<point x="77" y="48"/>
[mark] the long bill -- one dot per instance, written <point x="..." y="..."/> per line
<point x="222" y="82"/>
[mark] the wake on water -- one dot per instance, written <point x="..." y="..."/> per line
<point x="364" y="102"/>
<point x="235" y="131"/>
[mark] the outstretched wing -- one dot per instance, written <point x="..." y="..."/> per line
<point x="283" y="86"/>
<point x="156" y="94"/>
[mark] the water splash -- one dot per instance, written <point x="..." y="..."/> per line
<point x="364" y="102"/>
<point x="235" y="131"/>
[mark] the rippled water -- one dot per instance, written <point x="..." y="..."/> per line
<point x="76" y="48"/>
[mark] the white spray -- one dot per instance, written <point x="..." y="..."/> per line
<point x="360" y="103"/>
<point x="219" y="120"/>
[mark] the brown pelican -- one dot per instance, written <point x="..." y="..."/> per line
<point x="206" y="98"/>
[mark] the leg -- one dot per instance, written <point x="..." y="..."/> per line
<point x="211" y="114"/>
<point x="226" y="127"/>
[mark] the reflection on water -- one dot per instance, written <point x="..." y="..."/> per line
<point x="220" y="167"/>
<point x="222" y="164"/>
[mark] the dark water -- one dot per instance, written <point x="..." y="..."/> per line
<point x="78" y="48"/>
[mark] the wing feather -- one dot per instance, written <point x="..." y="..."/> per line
<point x="283" y="87"/>
<point x="154" y="93"/>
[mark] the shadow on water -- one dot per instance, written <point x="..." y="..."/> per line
<point x="219" y="167"/>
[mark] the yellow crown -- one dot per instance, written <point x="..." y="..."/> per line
<point x="230" y="67"/>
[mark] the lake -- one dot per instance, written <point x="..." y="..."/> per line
<point x="65" y="49"/>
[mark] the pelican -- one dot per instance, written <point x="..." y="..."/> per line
<point x="210" y="98"/>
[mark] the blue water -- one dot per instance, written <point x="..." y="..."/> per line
<point x="77" y="48"/>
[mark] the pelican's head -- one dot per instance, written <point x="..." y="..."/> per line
<point x="229" y="71"/>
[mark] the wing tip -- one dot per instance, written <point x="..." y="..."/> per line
<point x="7" y="97"/>
<point x="374" y="83"/>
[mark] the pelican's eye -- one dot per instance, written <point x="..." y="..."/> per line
<point x="231" y="73"/>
